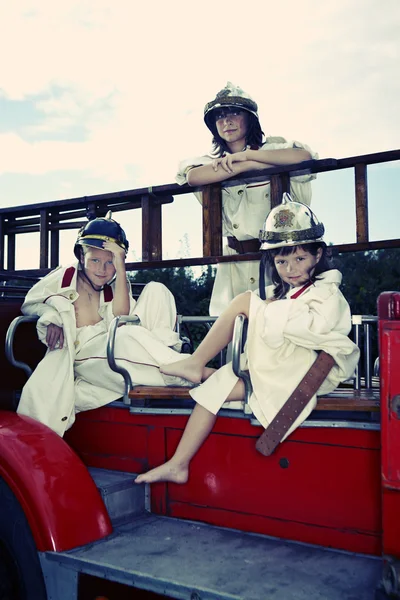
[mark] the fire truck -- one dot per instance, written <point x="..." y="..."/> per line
<point x="318" y="519"/>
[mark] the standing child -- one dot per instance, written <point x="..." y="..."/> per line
<point x="76" y="305"/>
<point x="239" y="146"/>
<point x="304" y="312"/>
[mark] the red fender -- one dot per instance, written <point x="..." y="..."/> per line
<point x="59" y="498"/>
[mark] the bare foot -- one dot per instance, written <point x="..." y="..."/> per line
<point x="166" y="472"/>
<point x="188" y="369"/>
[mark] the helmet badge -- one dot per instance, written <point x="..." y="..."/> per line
<point x="284" y="218"/>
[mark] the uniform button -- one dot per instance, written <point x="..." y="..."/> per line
<point x="76" y="344"/>
<point x="235" y="226"/>
<point x="64" y="418"/>
<point x="71" y="296"/>
<point x="240" y="192"/>
<point x="252" y="280"/>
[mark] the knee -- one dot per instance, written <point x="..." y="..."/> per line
<point x="242" y="302"/>
<point x="155" y="287"/>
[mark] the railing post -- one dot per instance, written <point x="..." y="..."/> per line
<point x="44" y="239"/>
<point x="212" y="220"/>
<point x="278" y="185"/>
<point x="55" y="242"/>
<point x="2" y="246"/>
<point x="151" y="228"/>
<point x="361" y="190"/>
<point x="10" y="246"/>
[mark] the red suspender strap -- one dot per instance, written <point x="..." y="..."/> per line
<point x="108" y="293"/>
<point x="301" y="290"/>
<point x="67" y="278"/>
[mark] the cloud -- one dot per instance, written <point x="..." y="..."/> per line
<point x="123" y="84"/>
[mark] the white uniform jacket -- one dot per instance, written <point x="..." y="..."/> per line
<point x="282" y="341"/>
<point x="61" y="385"/>
<point x="244" y="209"/>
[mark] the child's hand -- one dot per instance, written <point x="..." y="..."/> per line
<point x="117" y="252"/>
<point x="226" y="162"/>
<point x="54" y="336"/>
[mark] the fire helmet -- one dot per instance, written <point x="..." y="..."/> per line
<point x="290" y="224"/>
<point x="100" y="230"/>
<point x="231" y="96"/>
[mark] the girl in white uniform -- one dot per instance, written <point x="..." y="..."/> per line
<point x="301" y="313"/>
<point x="239" y="147"/>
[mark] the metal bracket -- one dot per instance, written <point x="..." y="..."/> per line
<point x="9" y="350"/>
<point x="238" y="341"/>
<point x="110" y="351"/>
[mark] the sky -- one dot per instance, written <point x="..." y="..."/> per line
<point x="98" y="96"/>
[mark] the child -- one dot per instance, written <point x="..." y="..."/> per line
<point x="304" y="311"/>
<point x="75" y="306"/>
<point x="238" y="147"/>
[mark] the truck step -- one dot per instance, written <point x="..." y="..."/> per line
<point x="123" y="499"/>
<point x="186" y="559"/>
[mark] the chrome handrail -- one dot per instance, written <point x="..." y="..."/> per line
<point x="10" y="342"/>
<point x="120" y="320"/>
<point x="238" y="341"/>
<point x="364" y="322"/>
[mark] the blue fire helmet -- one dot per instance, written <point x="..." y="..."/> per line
<point x="98" y="231"/>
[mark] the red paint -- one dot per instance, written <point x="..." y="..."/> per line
<point x="389" y="306"/>
<point x="53" y="487"/>
<point x="324" y="485"/>
<point x="389" y="340"/>
<point x="329" y="495"/>
<point x="157" y="454"/>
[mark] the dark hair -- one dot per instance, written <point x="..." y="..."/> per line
<point x="282" y="288"/>
<point x="254" y="136"/>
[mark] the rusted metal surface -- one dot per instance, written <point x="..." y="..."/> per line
<point x="212" y="220"/>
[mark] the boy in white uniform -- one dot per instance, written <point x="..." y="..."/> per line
<point x="75" y="306"/>
<point x="238" y="147"/>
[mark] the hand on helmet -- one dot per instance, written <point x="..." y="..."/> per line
<point x="117" y="252"/>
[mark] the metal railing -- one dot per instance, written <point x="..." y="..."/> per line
<point x="367" y="370"/>
<point x="49" y="218"/>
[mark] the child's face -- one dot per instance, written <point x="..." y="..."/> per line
<point x="233" y="126"/>
<point x="297" y="268"/>
<point x="99" y="266"/>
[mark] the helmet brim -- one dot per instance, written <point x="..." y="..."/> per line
<point x="210" y="120"/>
<point x="285" y="243"/>
<point x="95" y="242"/>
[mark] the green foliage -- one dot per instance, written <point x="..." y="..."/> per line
<point x="366" y="275"/>
<point x="192" y="295"/>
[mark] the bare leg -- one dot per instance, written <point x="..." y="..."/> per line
<point x="216" y="339"/>
<point x="198" y="427"/>
<point x="196" y="432"/>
